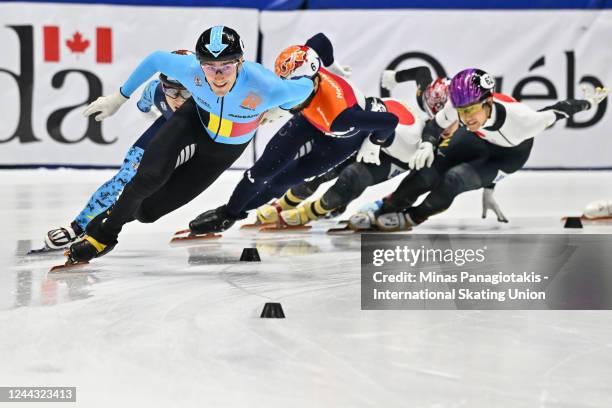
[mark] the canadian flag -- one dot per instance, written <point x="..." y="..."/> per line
<point x="76" y="43"/>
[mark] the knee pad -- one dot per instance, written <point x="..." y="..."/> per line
<point x="460" y="179"/>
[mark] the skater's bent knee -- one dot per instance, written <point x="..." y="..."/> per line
<point x="462" y="178"/>
<point x="145" y="217"/>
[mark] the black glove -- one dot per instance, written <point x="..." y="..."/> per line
<point x="569" y="107"/>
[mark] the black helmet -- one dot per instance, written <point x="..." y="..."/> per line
<point x="219" y="43"/>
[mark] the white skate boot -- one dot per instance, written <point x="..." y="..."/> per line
<point x="600" y="209"/>
<point x="362" y="221"/>
<point x="61" y="237"/>
<point x="392" y="222"/>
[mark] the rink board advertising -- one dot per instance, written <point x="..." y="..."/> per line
<point x="477" y="272"/>
<point x="58" y="58"/>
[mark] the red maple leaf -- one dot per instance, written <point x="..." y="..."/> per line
<point x="77" y="43"/>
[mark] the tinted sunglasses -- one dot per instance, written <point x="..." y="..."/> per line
<point x="467" y="110"/>
<point x="227" y="68"/>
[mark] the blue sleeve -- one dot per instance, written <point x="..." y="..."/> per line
<point x="147" y="99"/>
<point x="173" y="65"/>
<point x="291" y="92"/>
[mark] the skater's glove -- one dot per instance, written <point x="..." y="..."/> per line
<point x="387" y="80"/>
<point x="489" y="203"/>
<point x="594" y="97"/>
<point x="373" y="206"/>
<point x="105" y="105"/>
<point x="369" y="152"/>
<point x="342" y="70"/>
<point x="273" y="114"/>
<point x="424" y="156"/>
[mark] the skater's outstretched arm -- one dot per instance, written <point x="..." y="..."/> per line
<point x="381" y="125"/>
<point x="171" y="64"/>
<point x="324" y="48"/>
<point x="421" y="75"/>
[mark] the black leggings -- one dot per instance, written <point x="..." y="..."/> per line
<point x="356" y="177"/>
<point x="297" y="152"/>
<point x="179" y="163"/>
<point x="464" y="162"/>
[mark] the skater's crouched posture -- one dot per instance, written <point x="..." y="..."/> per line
<point x="335" y="122"/>
<point x="159" y="100"/>
<point x="495" y="139"/>
<point x="354" y="178"/>
<point x="201" y="140"/>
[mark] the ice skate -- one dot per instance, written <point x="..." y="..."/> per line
<point x="62" y="237"/>
<point x="267" y="214"/>
<point x="87" y="249"/>
<point x="186" y="235"/>
<point x="297" y="216"/>
<point x="359" y="222"/>
<point x="212" y="221"/>
<point x="598" y="210"/>
<point x="596" y="213"/>
<point x="80" y="253"/>
<point x="44" y="250"/>
<point x="395" y="221"/>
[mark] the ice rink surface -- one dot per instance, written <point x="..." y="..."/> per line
<point x="154" y="325"/>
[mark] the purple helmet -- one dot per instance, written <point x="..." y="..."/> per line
<point x="470" y="86"/>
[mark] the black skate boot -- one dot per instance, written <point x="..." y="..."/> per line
<point x="211" y="221"/>
<point x="87" y="249"/>
<point x="98" y="241"/>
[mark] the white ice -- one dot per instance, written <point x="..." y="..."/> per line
<point x="154" y="325"/>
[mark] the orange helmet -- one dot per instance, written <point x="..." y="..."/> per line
<point x="297" y="61"/>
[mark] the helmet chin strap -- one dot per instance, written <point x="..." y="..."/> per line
<point x="303" y="105"/>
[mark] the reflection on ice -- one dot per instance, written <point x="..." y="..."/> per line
<point x="163" y="326"/>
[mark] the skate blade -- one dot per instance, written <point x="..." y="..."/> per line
<point x="591" y="221"/>
<point x="285" y="228"/>
<point x="193" y="237"/>
<point x="67" y="266"/>
<point x="340" y="231"/>
<point x="254" y="225"/>
<point x="44" y="250"/>
<point x="183" y="231"/>
<point x="348" y="231"/>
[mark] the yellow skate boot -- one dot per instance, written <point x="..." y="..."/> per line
<point x="302" y="215"/>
